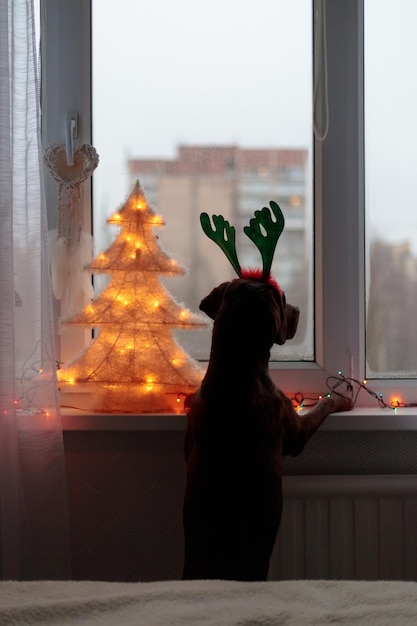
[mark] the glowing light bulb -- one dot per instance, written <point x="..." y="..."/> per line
<point x="183" y="314"/>
<point x="102" y="256"/>
<point x="364" y="381"/>
<point x="117" y="216"/>
<point x="155" y="304"/>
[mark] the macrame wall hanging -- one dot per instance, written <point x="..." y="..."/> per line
<point x="71" y="248"/>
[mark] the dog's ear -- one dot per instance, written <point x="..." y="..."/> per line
<point x="211" y="303"/>
<point x="278" y="307"/>
<point x="286" y="320"/>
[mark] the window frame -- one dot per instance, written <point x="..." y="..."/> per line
<point x="66" y="87"/>
<point x="339" y="219"/>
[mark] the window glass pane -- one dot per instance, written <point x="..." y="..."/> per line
<point x="36" y="12"/>
<point x="209" y="106"/>
<point x="391" y="207"/>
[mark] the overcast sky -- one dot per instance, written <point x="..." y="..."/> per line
<point x="239" y="72"/>
<point x="191" y="71"/>
<point x="391" y="119"/>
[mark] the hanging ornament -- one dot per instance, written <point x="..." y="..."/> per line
<point x="71" y="248"/>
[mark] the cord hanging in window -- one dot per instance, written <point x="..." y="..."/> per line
<point x="320" y="108"/>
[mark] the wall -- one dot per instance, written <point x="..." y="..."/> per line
<point x="126" y="478"/>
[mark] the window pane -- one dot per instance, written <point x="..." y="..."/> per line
<point x="209" y="106"/>
<point x="391" y="208"/>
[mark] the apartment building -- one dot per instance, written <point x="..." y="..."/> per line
<point x="234" y="182"/>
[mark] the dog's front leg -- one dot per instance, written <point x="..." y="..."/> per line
<point x="304" y="426"/>
<point x="329" y="404"/>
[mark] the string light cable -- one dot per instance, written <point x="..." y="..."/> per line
<point x="34" y="375"/>
<point x="342" y="385"/>
<point x="338" y="384"/>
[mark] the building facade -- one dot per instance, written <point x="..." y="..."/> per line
<point x="233" y="182"/>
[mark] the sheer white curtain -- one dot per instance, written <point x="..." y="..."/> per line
<point x="33" y="496"/>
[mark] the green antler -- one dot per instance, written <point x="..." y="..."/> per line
<point x="224" y="235"/>
<point x="266" y="238"/>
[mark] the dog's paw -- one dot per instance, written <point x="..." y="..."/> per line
<point x="341" y="403"/>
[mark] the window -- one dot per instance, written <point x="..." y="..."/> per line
<point x="208" y="117"/>
<point x="342" y="248"/>
<point x="390" y="140"/>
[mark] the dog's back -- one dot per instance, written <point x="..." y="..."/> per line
<point x="235" y="437"/>
<point x="240" y="425"/>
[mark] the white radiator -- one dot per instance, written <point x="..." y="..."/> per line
<point x="347" y="527"/>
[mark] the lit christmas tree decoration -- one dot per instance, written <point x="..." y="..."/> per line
<point x="134" y="365"/>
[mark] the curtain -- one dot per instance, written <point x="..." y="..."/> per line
<point x="33" y="495"/>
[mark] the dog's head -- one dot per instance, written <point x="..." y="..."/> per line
<point x="244" y="304"/>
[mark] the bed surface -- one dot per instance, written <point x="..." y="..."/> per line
<point x="208" y="603"/>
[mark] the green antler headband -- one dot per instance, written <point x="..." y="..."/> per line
<point x="224" y="235"/>
<point x="262" y="230"/>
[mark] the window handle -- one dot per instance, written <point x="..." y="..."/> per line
<point x="71" y="132"/>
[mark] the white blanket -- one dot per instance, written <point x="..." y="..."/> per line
<point x="208" y="603"/>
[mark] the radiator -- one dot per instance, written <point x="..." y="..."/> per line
<point x="347" y="527"/>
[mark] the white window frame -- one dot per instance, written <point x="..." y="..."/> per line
<point x="66" y="88"/>
<point x="339" y="185"/>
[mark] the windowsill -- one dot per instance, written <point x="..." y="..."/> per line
<point x="360" y="419"/>
<point x="76" y="419"/>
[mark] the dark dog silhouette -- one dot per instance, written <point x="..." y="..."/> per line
<point x="240" y="425"/>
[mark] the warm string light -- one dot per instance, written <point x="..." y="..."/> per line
<point x="186" y="403"/>
<point x="338" y="384"/>
<point x="34" y="376"/>
<point x="33" y="370"/>
<point x="343" y="385"/>
<point x="353" y="388"/>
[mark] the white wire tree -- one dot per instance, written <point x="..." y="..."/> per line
<point x="134" y="364"/>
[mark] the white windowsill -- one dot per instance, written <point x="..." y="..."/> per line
<point x="359" y="419"/>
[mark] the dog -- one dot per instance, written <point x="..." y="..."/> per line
<point x="239" y="428"/>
